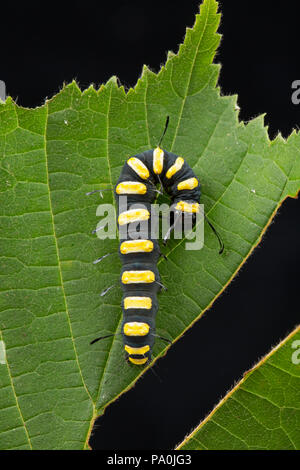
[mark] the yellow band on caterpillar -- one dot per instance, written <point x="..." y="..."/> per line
<point x="135" y="328"/>
<point x="133" y="277"/>
<point x="133" y="215"/>
<point x="158" y="160"/>
<point x="141" y="350"/>
<point x="138" y="302"/>
<point x="138" y="361"/>
<point x="136" y="246"/>
<point x="191" y="183"/>
<point x="131" y="187"/>
<point x="174" y="168"/>
<point x="187" y="207"/>
<point x="138" y="167"/>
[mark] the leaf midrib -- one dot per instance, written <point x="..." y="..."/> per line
<point x="114" y="203"/>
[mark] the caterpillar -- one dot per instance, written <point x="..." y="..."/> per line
<point x="139" y="254"/>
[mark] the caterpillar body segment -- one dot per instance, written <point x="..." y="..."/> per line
<point x="131" y="187"/>
<point x="139" y="256"/>
<point x="136" y="246"/>
<point x="136" y="328"/>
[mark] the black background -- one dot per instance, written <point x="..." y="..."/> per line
<point x="45" y="44"/>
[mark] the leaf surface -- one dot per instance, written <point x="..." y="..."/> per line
<point x="53" y="384"/>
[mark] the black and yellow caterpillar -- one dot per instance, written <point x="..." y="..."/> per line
<point x="140" y="278"/>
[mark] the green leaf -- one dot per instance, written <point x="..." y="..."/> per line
<point x="262" y="411"/>
<point x="53" y="384"/>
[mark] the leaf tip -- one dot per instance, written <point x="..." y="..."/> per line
<point x="73" y="86"/>
<point x="90" y="90"/>
<point x="113" y="80"/>
<point x="170" y="55"/>
<point x="145" y="70"/>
